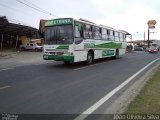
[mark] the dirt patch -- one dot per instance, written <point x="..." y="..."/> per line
<point x="4" y="55"/>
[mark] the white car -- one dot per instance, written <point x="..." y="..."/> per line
<point x="31" y="46"/>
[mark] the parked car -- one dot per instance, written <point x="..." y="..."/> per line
<point x="31" y="46"/>
<point x="137" y="48"/>
<point x="153" y="49"/>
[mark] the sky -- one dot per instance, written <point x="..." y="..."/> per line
<point x="129" y="15"/>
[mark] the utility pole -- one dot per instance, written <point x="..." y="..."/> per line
<point x="1" y="42"/>
<point x="148" y="37"/>
<point x="144" y="36"/>
<point x="1" y="45"/>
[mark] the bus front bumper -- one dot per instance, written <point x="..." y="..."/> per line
<point x="59" y="58"/>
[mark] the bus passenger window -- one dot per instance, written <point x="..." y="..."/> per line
<point x="78" y="30"/>
<point x="111" y="35"/>
<point x="104" y="34"/>
<point x="96" y="33"/>
<point x="121" y="37"/>
<point x="116" y="34"/>
<point x="87" y="31"/>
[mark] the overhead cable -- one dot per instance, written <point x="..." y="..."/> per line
<point x="35" y="7"/>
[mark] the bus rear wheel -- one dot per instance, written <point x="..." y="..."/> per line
<point x="116" y="54"/>
<point x="90" y="58"/>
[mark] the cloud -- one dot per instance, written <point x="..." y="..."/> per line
<point x="129" y="15"/>
<point x="132" y="17"/>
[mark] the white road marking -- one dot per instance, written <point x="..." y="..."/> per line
<point x="90" y="65"/>
<point x="4" y="87"/>
<point x="6" y="69"/>
<point x="36" y="64"/>
<point x="90" y="110"/>
<point x="41" y="63"/>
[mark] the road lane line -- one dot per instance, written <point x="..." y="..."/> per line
<point x="91" y="109"/>
<point x="4" y="87"/>
<point x="90" y="65"/>
<point x="40" y="63"/>
<point x="6" y="69"/>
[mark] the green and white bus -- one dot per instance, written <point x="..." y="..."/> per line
<point x="70" y="40"/>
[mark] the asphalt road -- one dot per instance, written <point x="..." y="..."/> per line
<point x="62" y="89"/>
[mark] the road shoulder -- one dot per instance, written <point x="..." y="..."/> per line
<point x="121" y="103"/>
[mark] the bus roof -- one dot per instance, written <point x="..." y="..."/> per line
<point x="69" y="21"/>
<point x="101" y="26"/>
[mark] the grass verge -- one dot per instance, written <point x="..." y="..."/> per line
<point x="148" y="100"/>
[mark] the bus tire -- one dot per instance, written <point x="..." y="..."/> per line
<point x="116" y="54"/>
<point x="90" y="57"/>
<point x="67" y="63"/>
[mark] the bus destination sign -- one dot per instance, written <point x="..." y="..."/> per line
<point x="63" y="21"/>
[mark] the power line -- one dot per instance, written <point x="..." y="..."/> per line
<point x="40" y="8"/>
<point x="35" y="7"/>
<point x="29" y="6"/>
<point x="17" y="10"/>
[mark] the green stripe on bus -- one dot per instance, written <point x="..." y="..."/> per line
<point x="59" y="58"/>
<point x="105" y="45"/>
<point x="109" y="45"/>
<point x="66" y="47"/>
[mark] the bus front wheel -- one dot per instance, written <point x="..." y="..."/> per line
<point x="90" y="57"/>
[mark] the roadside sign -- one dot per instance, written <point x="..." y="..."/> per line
<point x="151" y="24"/>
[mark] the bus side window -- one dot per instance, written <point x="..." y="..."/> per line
<point x="121" y="37"/>
<point x="96" y="32"/>
<point x="104" y="34"/>
<point x="100" y="33"/>
<point x="111" y="35"/>
<point x="78" y="33"/>
<point x="87" y="31"/>
<point x="124" y="37"/>
<point x="78" y="30"/>
<point x="116" y="36"/>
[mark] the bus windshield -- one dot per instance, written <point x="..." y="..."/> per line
<point x="59" y="34"/>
